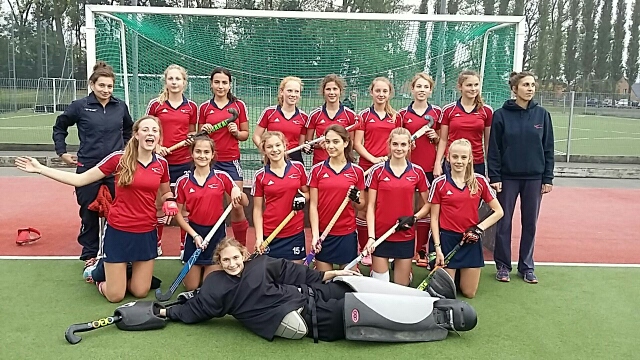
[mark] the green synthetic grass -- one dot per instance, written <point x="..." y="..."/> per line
<point x="574" y="313"/>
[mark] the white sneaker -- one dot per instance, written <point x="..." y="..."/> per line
<point x="159" y="250"/>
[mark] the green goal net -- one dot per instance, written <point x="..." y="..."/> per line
<point x="261" y="47"/>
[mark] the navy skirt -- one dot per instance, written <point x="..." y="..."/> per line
<point x="206" y="257"/>
<point x="122" y="246"/>
<point x="288" y="248"/>
<point x="469" y="255"/>
<point x="396" y="249"/>
<point x="339" y="249"/>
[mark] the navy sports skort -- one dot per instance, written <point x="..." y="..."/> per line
<point x="206" y="257"/>
<point x="396" y="249"/>
<point x="232" y="168"/>
<point x="339" y="249"/>
<point x="122" y="246"/>
<point x="469" y="255"/>
<point x="288" y="248"/>
<point x="297" y="156"/>
<point x="175" y="171"/>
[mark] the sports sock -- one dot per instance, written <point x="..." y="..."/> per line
<point x="380" y="276"/>
<point x="240" y="231"/>
<point x="422" y="234"/>
<point x="361" y="226"/>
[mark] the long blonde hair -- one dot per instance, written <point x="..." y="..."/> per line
<point x="479" y="101"/>
<point x="423" y="76"/>
<point x="469" y="174"/>
<point x="283" y="83"/>
<point x="387" y="106"/>
<point x="400" y="131"/>
<point x="164" y="94"/>
<point x="129" y="160"/>
<point x="263" y="140"/>
<point x="225" y="243"/>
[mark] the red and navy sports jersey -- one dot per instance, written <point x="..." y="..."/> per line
<point x="320" y="121"/>
<point x="394" y="196"/>
<point x="278" y="193"/>
<point x="458" y="209"/>
<point x="272" y="119"/>
<point x="332" y="190"/>
<point x="467" y="125"/>
<point x="376" y="134"/>
<point x="134" y="206"/>
<point x="227" y="148"/>
<point x="205" y="203"/>
<point x="175" y="126"/>
<point x="424" y="154"/>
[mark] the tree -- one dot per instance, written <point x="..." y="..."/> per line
<point x="503" y="7"/>
<point x="603" y="44"/>
<point x="572" y="47"/>
<point x="532" y="24"/>
<point x="619" y="34"/>
<point x="555" y="65"/>
<point x="519" y="8"/>
<point x="543" y="44"/>
<point x="489" y="7"/>
<point x="588" y="43"/>
<point x="634" y="46"/>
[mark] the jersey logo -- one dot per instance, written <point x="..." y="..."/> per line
<point x="325" y="175"/>
<point x="276" y="120"/>
<point x="155" y="170"/>
<point x="191" y="191"/>
<point x="294" y="176"/>
<point x="297" y="122"/>
<point x="350" y="176"/>
<point x="321" y="122"/>
<point x="164" y="111"/>
<point x="386" y="179"/>
<point x="185" y="111"/>
<point x="92" y="110"/>
<point x="538" y="126"/>
<point x="372" y="120"/>
<point x="409" y="121"/>
<point x="211" y="111"/>
<point x="449" y="192"/>
<point x="411" y="178"/>
<point x="212" y="186"/>
<point x="270" y="182"/>
<point x="456" y="115"/>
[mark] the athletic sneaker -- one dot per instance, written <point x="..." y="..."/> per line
<point x="529" y="277"/>
<point x="503" y="274"/>
<point x="366" y="261"/>
<point x="159" y="250"/>
<point x="86" y="274"/>
<point x="422" y="259"/>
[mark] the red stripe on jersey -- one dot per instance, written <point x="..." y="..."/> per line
<point x="272" y="119"/>
<point x="394" y="196"/>
<point x="227" y="148"/>
<point x="424" y="154"/>
<point x="466" y="125"/>
<point x="320" y="121"/>
<point x="458" y="208"/>
<point x="205" y="203"/>
<point x="175" y="126"/>
<point x="278" y="193"/>
<point x="332" y="189"/>
<point x="376" y="134"/>
<point x="134" y="206"/>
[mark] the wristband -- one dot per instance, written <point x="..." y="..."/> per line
<point x="371" y="237"/>
<point x="436" y="245"/>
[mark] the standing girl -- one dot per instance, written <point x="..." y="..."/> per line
<point x="281" y="186"/>
<point x="285" y="117"/>
<point x="202" y="193"/>
<point x="392" y="185"/>
<point x="178" y="117"/>
<point x="130" y="234"/>
<point x="227" y="140"/>
<point x="455" y="198"/>
<point x="425" y="147"/>
<point x="104" y="126"/>
<point x="332" y="112"/>
<point x="468" y="118"/>
<point x="526" y="170"/>
<point x="370" y="140"/>
<point x="329" y="183"/>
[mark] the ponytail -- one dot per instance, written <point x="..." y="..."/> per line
<point x="221" y="70"/>
<point x="284" y="83"/>
<point x="164" y="93"/>
<point x="387" y="107"/>
<point x="478" y="101"/>
<point x="469" y="174"/>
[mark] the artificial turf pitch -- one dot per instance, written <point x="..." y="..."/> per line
<point x="574" y="313"/>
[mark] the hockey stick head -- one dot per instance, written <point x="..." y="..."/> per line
<point x="72" y="338"/>
<point x="160" y="296"/>
<point x="430" y="119"/>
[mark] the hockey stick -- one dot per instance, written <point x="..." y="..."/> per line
<point x="325" y="233"/>
<point x="273" y="235"/>
<point x="192" y="260"/>
<point x="315" y="141"/>
<point x="382" y="238"/>
<point x="216" y="127"/>
<point x="73" y="339"/>
<point x="423" y="285"/>
<point x="423" y="130"/>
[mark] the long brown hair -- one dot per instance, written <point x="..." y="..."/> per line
<point x="516" y="77"/>
<point x="225" y="243"/>
<point x="284" y="83"/>
<point x="209" y="141"/>
<point x="164" y="93"/>
<point x="479" y="101"/>
<point x="225" y="71"/>
<point x="263" y="141"/>
<point x="129" y="160"/>
<point x="387" y="106"/>
<point x="469" y="174"/>
<point x="344" y="135"/>
<point x="332" y="78"/>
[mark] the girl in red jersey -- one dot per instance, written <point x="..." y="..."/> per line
<point x="392" y="185"/>
<point x="370" y="140"/>
<point x="281" y="186"/>
<point x="178" y="117"/>
<point x="227" y="140"/>
<point x="202" y="193"/>
<point x="329" y="183"/>
<point x="130" y="234"/>
<point x="425" y="147"/>
<point x="285" y="117"/>
<point x="332" y="112"/>
<point x="468" y="118"/>
<point x="455" y="198"/>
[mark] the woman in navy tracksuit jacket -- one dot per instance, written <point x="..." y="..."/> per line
<point x="520" y="163"/>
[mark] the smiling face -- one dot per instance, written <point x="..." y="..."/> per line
<point x="291" y="93"/>
<point x="459" y="157"/>
<point x="232" y="260"/>
<point x="202" y="152"/>
<point x="380" y="92"/>
<point x="334" y="144"/>
<point x="103" y="88"/>
<point x="470" y="87"/>
<point x="332" y="93"/>
<point x="526" y="88"/>
<point x="175" y="81"/>
<point x="421" y="90"/>
<point x="274" y="148"/>
<point x="399" y="146"/>
<point x="220" y="85"/>
<point x="148" y="134"/>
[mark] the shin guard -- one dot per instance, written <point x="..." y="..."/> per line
<point x="240" y="231"/>
<point x="363" y="237"/>
<point x="363" y="284"/>
<point x="380" y="276"/>
<point x="140" y="315"/>
<point x="183" y="235"/>
<point x="422" y="235"/>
